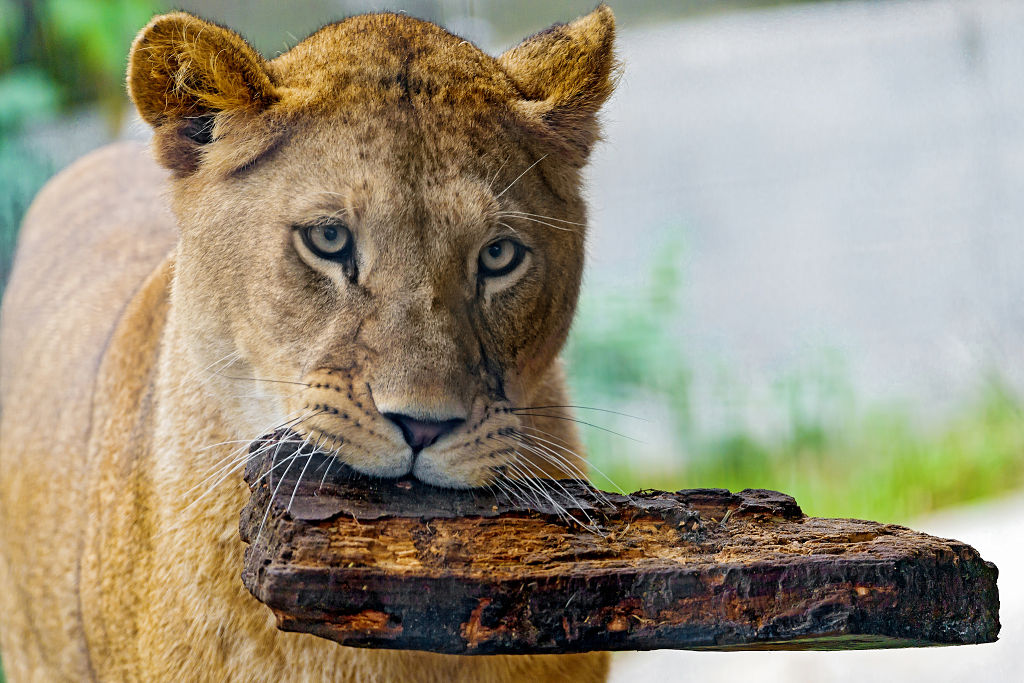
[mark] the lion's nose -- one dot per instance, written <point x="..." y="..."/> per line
<point x="421" y="433"/>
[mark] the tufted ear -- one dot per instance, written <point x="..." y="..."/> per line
<point x="186" y="76"/>
<point x="565" y="74"/>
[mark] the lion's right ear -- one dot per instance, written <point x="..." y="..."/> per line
<point x="186" y="76"/>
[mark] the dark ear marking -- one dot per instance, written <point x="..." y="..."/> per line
<point x="199" y="129"/>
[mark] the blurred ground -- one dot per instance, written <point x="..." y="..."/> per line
<point x="995" y="529"/>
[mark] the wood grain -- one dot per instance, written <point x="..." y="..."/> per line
<point x="400" y="564"/>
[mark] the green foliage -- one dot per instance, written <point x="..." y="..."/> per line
<point x="26" y="93"/>
<point x="88" y="44"/>
<point x="880" y="466"/>
<point x="59" y="53"/>
<point x="621" y="347"/>
<point x="10" y="20"/>
<point x="55" y="54"/>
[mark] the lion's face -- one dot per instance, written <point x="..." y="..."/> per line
<point x="382" y="234"/>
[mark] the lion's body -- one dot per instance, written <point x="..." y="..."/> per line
<point x="113" y="566"/>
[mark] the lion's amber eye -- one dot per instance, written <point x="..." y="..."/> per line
<point x="328" y="240"/>
<point x="501" y="257"/>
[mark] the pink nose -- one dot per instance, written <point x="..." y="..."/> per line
<point x="421" y="433"/>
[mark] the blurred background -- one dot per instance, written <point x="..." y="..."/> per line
<point x="806" y="256"/>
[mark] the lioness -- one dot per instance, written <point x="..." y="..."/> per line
<point x="375" y="238"/>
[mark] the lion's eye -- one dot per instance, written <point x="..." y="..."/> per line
<point x="501" y="257"/>
<point x="328" y="240"/>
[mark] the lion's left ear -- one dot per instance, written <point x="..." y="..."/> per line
<point x="565" y="74"/>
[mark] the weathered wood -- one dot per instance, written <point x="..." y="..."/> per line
<point x="400" y="564"/>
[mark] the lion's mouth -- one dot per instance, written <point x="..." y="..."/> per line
<point x="299" y="458"/>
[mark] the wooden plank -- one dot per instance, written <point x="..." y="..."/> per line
<point x="403" y="565"/>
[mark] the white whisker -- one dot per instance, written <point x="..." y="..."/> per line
<point x="334" y="456"/>
<point x="561" y="461"/>
<point x="231" y="468"/>
<point x="577" y="421"/>
<point x="490" y="182"/>
<point x="234" y="458"/>
<point x="536" y="220"/>
<point x="569" y="496"/>
<point x="270" y="502"/>
<point x="309" y="459"/>
<point x="590" y="465"/>
<point x="247" y="442"/>
<point x="520" y="176"/>
<point x="538" y="215"/>
<point x="288" y="419"/>
<point x="530" y="481"/>
<point x="514" y="231"/>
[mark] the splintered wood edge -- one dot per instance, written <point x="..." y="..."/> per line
<point x="400" y="565"/>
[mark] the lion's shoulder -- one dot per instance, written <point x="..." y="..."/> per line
<point x="89" y="240"/>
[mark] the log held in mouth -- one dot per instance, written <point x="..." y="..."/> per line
<point x="400" y="564"/>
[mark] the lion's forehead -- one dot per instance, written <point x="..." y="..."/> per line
<point x="401" y="178"/>
<point x="423" y="147"/>
<point x="392" y="57"/>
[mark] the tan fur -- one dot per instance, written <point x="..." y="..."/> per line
<point x="135" y="336"/>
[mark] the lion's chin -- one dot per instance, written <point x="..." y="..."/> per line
<point x="431" y="470"/>
<point x="425" y="469"/>
<point x="390" y="466"/>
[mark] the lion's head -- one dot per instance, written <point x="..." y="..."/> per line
<point x="382" y="227"/>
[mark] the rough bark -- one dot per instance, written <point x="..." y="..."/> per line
<point x="400" y="564"/>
